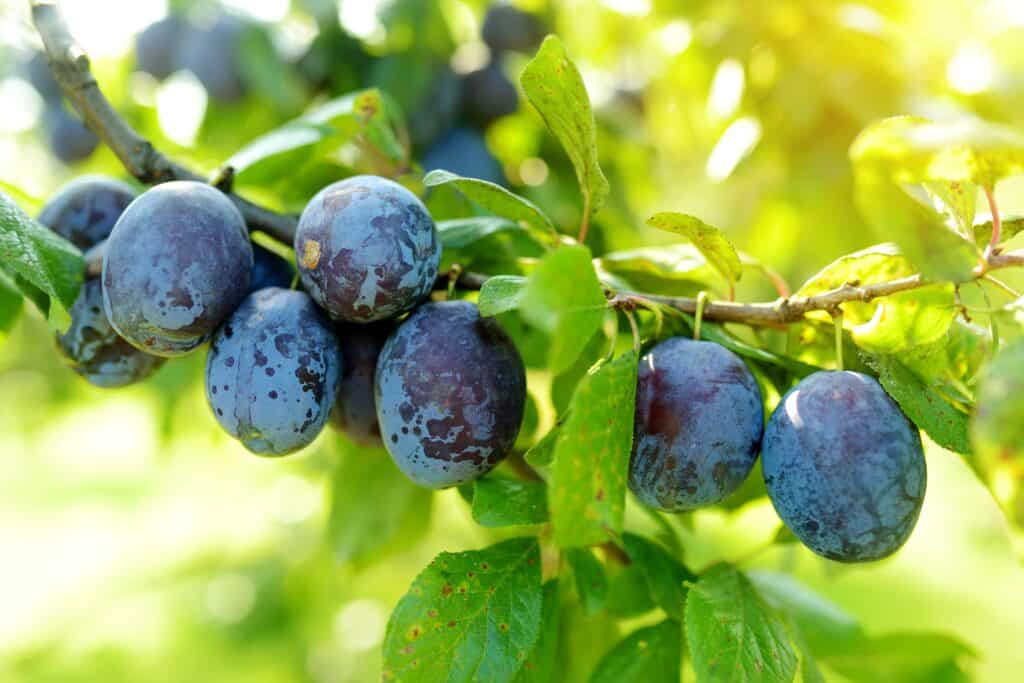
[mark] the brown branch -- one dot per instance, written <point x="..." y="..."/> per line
<point x="70" y="66"/>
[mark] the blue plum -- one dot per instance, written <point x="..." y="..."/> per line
<point x="450" y="389"/>
<point x="437" y="110"/>
<point x="176" y="265"/>
<point x="699" y="420"/>
<point x="69" y="139"/>
<point x="844" y="467"/>
<point x="95" y="351"/>
<point x="464" y="151"/>
<point x="156" y="46"/>
<point x="37" y="71"/>
<point x="367" y="249"/>
<point x="269" y="270"/>
<point x="273" y="372"/>
<point x="508" y="28"/>
<point x="355" y="411"/>
<point x="85" y="210"/>
<point x="489" y="95"/>
<point x="212" y="54"/>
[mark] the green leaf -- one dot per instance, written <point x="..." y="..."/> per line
<point x="271" y="77"/>
<point x="498" y="502"/>
<point x="564" y="298"/>
<point x="495" y="199"/>
<point x="628" y="593"/>
<point x="555" y="88"/>
<point x="908" y="319"/>
<point x="543" y="452"/>
<point x="997" y="427"/>
<point x="373" y="507"/>
<point x="540" y="663"/>
<point x="278" y="153"/>
<point x="587" y="492"/>
<point x="958" y="201"/>
<point x="917" y="657"/>
<point x="591" y="582"/>
<point x="710" y="241"/>
<point x="10" y="303"/>
<point x="647" y="655"/>
<point x="501" y="293"/>
<point x="877" y="263"/>
<point x="462" y="232"/>
<point x="967" y="150"/>
<point x="469" y="616"/>
<point x="1011" y="225"/>
<point x="672" y="270"/>
<point x="925" y="407"/>
<point x="38" y="256"/>
<point x="665" y="576"/>
<point x="733" y="634"/>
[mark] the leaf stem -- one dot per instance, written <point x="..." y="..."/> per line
<point x="997" y="223"/>
<point x="702" y="300"/>
<point x="585" y="220"/>
<point x="633" y="327"/>
<point x="837" y="319"/>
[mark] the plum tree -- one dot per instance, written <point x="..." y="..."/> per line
<point x="156" y="47"/>
<point x="508" y="28"/>
<point x="355" y="412"/>
<point x="489" y="95"/>
<point x="212" y="54"/>
<point x="273" y="372"/>
<point x="177" y="264"/>
<point x="85" y="210"/>
<point x="463" y="150"/>
<point x="450" y="389"/>
<point x="69" y="139"/>
<point x="844" y="467"/>
<point x="698" y="425"/>
<point x="93" y="348"/>
<point x="269" y="270"/>
<point x="367" y="249"/>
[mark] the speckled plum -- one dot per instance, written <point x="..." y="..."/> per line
<point x="176" y="265"/>
<point x="85" y="210"/>
<point x="844" y="467"/>
<point x="367" y="249"/>
<point x="698" y="425"/>
<point x="355" y="411"/>
<point x="273" y="372"/>
<point x="95" y="351"/>
<point x="269" y="270"/>
<point x="450" y="390"/>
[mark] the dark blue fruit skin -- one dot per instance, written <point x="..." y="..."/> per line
<point x="367" y="249"/>
<point x="508" y="28"/>
<point x="85" y="210"/>
<point x="355" y="411"/>
<point x="450" y="390"/>
<point x="212" y="54"/>
<point x="464" y="151"/>
<point x="156" y="46"/>
<point x="95" y="351"/>
<point x="177" y="264"/>
<point x="37" y="71"/>
<point x="438" y="109"/>
<point x="698" y="425"/>
<point x="269" y="270"/>
<point x="489" y="95"/>
<point x="69" y="139"/>
<point x="844" y="467"/>
<point x="273" y="372"/>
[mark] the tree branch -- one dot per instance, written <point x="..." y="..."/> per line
<point x="70" y="66"/>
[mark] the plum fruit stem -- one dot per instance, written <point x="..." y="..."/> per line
<point x="702" y="301"/>
<point x="837" y="319"/>
<point x="997" y="224"/>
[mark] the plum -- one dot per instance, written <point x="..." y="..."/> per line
<point x="269" y="270"/>
<point x="212" y="54"/>
<point x="69" y="139"/>
<point x="489" y="95"/>
<point x="156" y="46"/>
<point x="355" y="412"/>
<point x="273" y="372"/>
<point x="95" y="351"/>
<point x="437" y="110"/>
<point x="85" y="210"/>
<point x="176" y="265"/>
<point x="508" y="28"/>
<point x="844" y="467"/>
<point x="698" y="425"/>
<point x="450" y="389"/>
<point x="367" y="249"/>
<point x="464" y="151"/>
<point x="36" y="70"/>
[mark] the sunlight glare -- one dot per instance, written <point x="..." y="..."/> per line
<point x="726" y="89"/>
<point x="108" y="27"/>
<point x="738" y="140"/>
<point x="181" y="107"/>
<point x="971" y="69"/>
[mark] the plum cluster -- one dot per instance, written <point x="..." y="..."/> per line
<point x="358" y="345"/>
<point x="842" y="464"/>
<point x="66" y="135"/>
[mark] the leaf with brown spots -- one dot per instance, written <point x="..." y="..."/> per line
<point x="647" y="655"/>
<point x="469" y="616"/>
<point x="540" y="663"/>
<point x="499" y="502"/>
<point x="733" y="634"/>
<point x="587" y="492"/>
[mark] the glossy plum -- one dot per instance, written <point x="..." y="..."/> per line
<point x="367" y="249"/>
<point x="355" y="411"/>
<point x="176" y="265"/>
<point x="698" y="425"/>
<point x="273" y="372"/>
<point x="844" y="467"/>
<point x="85" y="210"/>
<point x="450" y="389"/>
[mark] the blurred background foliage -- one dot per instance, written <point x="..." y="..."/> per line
<point x="140" y="543"/>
